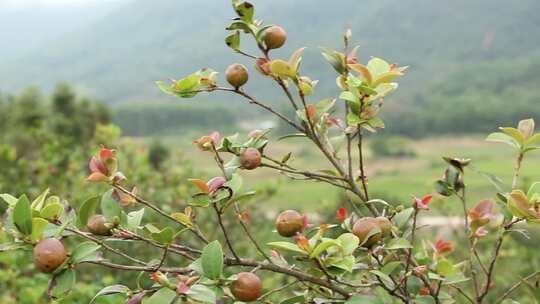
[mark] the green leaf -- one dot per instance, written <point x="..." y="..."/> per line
<point x="286" y="246"/>
<point x="110" y="207"/>
<point x="533" y="139"/>
<point x="335" y="59"/>
<point x="212" y="260"/>
<point x="8" y="198"/>
<point x="364" y="300"/>
<point x="384" y="277"/>
<point x="245" y="11"/>
<point x="134" y="219"/>
<point x="164" y="236"/>
<point x="162" y="296"/>
<point x="202" y="294"/>
<point x="109" y="290"/>
<point x="402" y="218"/>
<point x="84" y="252"/>
<point x="294" y="135"/>
<point x="323" y="246"/>
<point x="37" y="204"/>
<point x="445" y="267"/>
<point x="165" y="88"/>
<point x="52" y="211"/>
<point x="233" y="41"/>
<point x="88" y="208"/>
<point x="22" y="215"/>
<point x="443" y="188"/>
<point x="398" y="244"/>
<point x="390" y="267"/>
<point x="353" y="119"/>
<point x="200" y="200"/>
<point x="501" y="137"/>
<point x="38" y="226"/>
<point x="64" y="283"/>
<point x="282" y="69"/>
<point x="294" y="300"/>
<point x="515" y="134"/>
<point x="378" y="67"/>
<point x="349" y="243"/>
<point x="349" y="96"/>
<point x="346" y="263"/>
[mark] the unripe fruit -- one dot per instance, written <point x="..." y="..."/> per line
<point x="97" y="224"/>
<point x="363" y="227"/>
<point x="49" y="254"/>
<point x="385" y="224"/>
<point x="289" y="223"/>
<point x="275" y="37"/>
<point x="250" y="158"/>
<point x="237" y="75"/>
<point x="247" y="287"/>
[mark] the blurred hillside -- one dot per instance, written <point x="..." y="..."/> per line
<point x="475" y="54"/>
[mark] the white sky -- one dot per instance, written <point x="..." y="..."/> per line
<point x="35" y="3"/>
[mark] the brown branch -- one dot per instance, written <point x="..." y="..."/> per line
<point x="250" y="236"/>
<point x="516" y="285"/>
<point x="148" y="204"/>
<point x="227" y="240"/>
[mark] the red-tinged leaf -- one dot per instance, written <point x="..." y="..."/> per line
<point x="97" y="165"/>
<point x="216" y="137"/>
<point x="426" y="199"/>
<point x="311" y="111"/>
<point x="482" y="211"/>
<point x="97" y="177"/>
<point x="182" y="288"/>
<point x="200" y="184"/>
<point x="105" y="153"/>
<point x="244" y="217"/>
<point x="442" y="247"/>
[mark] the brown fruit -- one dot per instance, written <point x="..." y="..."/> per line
<point x="49" y="254"/>
<point x="237" y="75"/>
<point x="289" y="223"/>
<point x="385" y="224"/>
<point x="275" y="37"/>
<point x="97" y="224"/>
<point x="247" y="287"/>
<point x="362" y="229"/>
<point x="250" y="158"/>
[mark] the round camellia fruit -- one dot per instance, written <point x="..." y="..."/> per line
<point x="363" y="227"/>
<point x="275" y="37"/>
<point x="247" y="287"/>
<point x="289" y="223"/>
<point x="49" y="254"/>
<point x="250" y="158"/>
<point x="236" y="75"/>
<point x="97" y="224"/>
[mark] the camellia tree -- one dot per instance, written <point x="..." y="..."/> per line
<point x="369" y="253"/>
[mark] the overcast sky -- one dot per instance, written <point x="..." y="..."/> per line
<point x="37" y="3"/>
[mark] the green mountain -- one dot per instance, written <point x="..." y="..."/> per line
<point x="118" y="57"/>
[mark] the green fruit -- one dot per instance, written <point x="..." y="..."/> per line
<point x="247" y="287"/>
<point x="237" y="75"/>
<point x="97" y="224"/>
<point x="289" y="223"/>
<point x="49" y="254"/>
<point x="363" y="227"/>
<point x="275" y="37"/>
<point x="250" y="158"/>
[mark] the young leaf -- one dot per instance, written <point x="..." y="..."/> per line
<point x="134" y="219"/>
<point x="22" y="215"/>
<point x="501" y="137"/>
<point x="286" y="246"/>
<point x="233" y="41"/>
<point x="202" y="294"/>
<point x="84" y="252"/>
<point x="52" y="211"/>
<point x="88" y="208"/>
<point x="349" y="243"/>
<point x="162" y="296"/>
<point x="515" y="134"/>
<point x="38" y="226"/>
<point x="110" y="207"/>
<point x="212" y="260"/>
<point x="323" y="246"/>
<point x="109" y="290"/>
<point x="63" y="283"/>
<point x="398" y="244"/>
<point x="37" y="204"/>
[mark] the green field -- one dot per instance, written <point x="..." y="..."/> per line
<point x="393" y="179"/>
